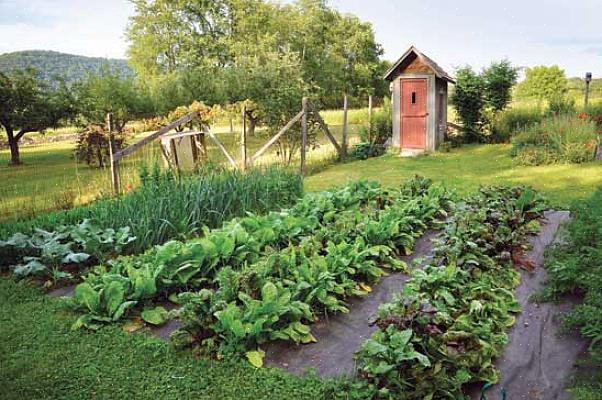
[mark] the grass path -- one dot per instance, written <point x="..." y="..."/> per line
<point x="42" y="358"/>
<point x="466" y="169"/>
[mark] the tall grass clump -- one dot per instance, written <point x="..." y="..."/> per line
<point x="357" y="116"/>
<point x="166" y="207"/>
<point x="557" y="139"/>
<point x="513" y="121"/>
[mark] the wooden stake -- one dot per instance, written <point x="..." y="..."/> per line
<point x="243" y="139"/>
<point x="303" y="134"/>
<point x="344" y="139"/>
<point x="588" y="78"/>
<point x="277" y="136"/>
<point x="370" y="118"/>
<point x="332" y="139"/>
<point x="114" y="161"/>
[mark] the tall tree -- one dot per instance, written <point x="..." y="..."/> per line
<point x="468" y="100"/>
<point x="499" y="79"/>
<point x="30" y="105"/>
<point x="109" y="92"/>
<point x="337" y="52"/>
<point x="544" y="83"/>
<point x="167" y="35"/>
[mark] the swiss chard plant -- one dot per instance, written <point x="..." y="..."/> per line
<point x="350" y="250"/>
<point x="453" y="315"/>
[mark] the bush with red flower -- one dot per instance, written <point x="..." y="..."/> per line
<point x="558" y="139"/>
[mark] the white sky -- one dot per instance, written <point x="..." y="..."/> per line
<point x="475" y="32"/>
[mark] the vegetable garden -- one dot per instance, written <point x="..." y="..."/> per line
<point x="239" y="277"/>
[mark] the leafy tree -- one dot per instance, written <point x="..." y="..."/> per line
<point x="30" y="105"/>
<point x="108" y="92"/>
<point x="168" y="35"/>
<point x="336" y="52"/>
<point x="498" y="79"/>
<point x="479" y="98"/>
<point x="544" y="83"/>
<point x="468" y="100"/>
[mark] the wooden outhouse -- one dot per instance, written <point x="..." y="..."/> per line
<point x="419" y="101"/>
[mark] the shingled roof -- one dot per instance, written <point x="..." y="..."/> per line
<point x="439" y="72"/>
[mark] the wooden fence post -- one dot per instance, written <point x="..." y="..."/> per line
<point x="243" y="140"/>
<point x="303" y="134"/>
<point x="588" y="79"/>
<point x="370" y="118"/>
<point x="113" y="160"/>
<point x="344" y="138"/>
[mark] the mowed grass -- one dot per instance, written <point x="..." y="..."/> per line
<point x="42" y="358"/>
<point x="467" y="168"/>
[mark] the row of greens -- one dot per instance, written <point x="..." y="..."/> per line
<point x="167" y="207"/>
<point x="286" y="265"/>
<point x="450" y="323"/>
<point x="574" y="268"/>
<point x="51" y="254"/>
<point x="276" y="297"/>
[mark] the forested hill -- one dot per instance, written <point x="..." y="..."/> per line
<point x="50" y="64"/>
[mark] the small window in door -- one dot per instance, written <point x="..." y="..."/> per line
<point x="413" y="97"/>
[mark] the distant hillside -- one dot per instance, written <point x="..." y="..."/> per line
<point x="50" y="64"/>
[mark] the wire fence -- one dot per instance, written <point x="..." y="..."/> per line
<point x="50" y="177"/>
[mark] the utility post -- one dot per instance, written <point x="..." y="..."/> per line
<point x="588" y="80"/>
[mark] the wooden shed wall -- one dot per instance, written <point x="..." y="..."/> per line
<point x="441" y="88"/>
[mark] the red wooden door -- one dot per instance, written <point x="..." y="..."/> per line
<point x="413" y="113"/>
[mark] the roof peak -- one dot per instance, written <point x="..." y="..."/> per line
<point x="439" y="72"/>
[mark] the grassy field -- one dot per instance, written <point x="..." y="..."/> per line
<point x="51" y="179"/>
<point x="466" y="169"/>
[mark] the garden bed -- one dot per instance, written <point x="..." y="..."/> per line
<point x="538" y="361"/>
<point x="339" y="336"/>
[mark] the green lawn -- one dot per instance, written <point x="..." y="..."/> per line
<point x="466" y="169"/>
<point x="42" y="358"/>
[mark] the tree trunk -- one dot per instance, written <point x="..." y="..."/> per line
<point x="251" y="127"/>
<point x="13" y="142"/>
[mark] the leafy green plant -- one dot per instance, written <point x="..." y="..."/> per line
<point x="574" y="267"/>
<point x="165" y="207"/>
<point x="450" y="321"/>
<point x="46" y="254"/>
<point x="365" y="150"/>
<point x="559" y="139"/>
<point x="346" y="253"/>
